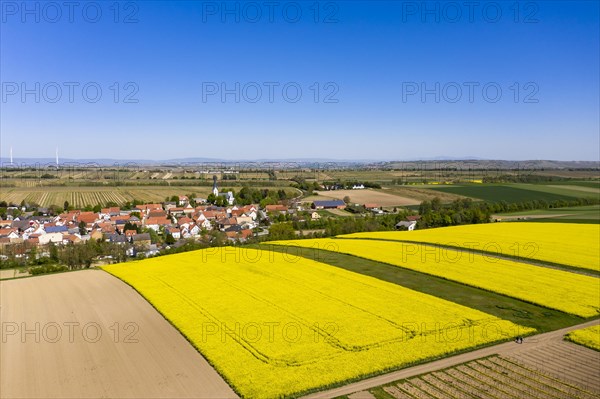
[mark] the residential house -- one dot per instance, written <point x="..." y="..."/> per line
<point x="156" y="222"/>
<point x="142" y="239"/>
<point x="329" y="204"/>
<point x="56" y="238"/>
<point x="175" y="232"/>
<point x="277" y="208"/>
<point x="183" y="200"/>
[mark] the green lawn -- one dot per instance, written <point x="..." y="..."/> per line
<point x="511" y="192"/>
<point x="517" y="311"/>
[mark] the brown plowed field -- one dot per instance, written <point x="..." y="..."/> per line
<point x="89" y="335"/>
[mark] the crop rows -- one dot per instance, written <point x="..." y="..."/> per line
<point x="492" y="378"/>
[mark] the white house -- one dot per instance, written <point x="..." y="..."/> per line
<point x="204" y="224"/>
<point x="51" y="237"/>
<point x="229" y="197"/>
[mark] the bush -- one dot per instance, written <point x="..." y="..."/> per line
<point x="47" y="269"/>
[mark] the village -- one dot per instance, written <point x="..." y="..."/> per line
<point x="144" y="230"/>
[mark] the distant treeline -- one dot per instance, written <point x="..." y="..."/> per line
<point x="520" y="178"/>
<point x="465" y="211"/>
<point x="503" y="206"/>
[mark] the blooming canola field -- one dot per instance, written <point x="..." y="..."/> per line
<point x="589" y="337"/>
<point x="556" y="289"/>
<point x="276" y="325"/>
<point x="571" y="244"/>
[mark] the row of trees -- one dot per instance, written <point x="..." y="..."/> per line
<point x="503" y="206"/>
<point x="74" y="256"/>
<point x="463" y="211"/>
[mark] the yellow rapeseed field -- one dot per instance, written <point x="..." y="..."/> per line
<point x="571" y="244"/>
<point x="565" y="291"/>
<point x="276" y="325"/>
<point x="589" y="337"/>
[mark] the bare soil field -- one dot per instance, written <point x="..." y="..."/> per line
<point x="86" y="334"/>
<point x="370" y="196"/>
<point x="12" y="273"/>
<point x="422" y="193"/>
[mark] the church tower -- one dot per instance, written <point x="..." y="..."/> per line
<point x="215" y="189"/>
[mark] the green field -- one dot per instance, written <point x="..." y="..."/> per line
<point x="580" y="183"/>
<point x="513" y="192"/>
<point x="576" y="214"/>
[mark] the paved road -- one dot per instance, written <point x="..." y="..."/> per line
<point x="508" y="348"/>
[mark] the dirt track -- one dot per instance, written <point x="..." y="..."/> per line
<point x="147" y="358"/>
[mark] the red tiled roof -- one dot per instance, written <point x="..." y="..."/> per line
<point x="276" y="208"/>
<point x="159" y="221"/>
<point x="87" y="217"/>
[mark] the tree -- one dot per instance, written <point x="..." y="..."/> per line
<point x="347" y="199"/>
<point x="53" y="252"/>
<point x="282" y="231"/>
<point x="170" y="240"/>
<point x="66" y="206"/>
<point x="82" y="228"/>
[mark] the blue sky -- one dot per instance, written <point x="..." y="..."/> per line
<point x="387" y="80"/>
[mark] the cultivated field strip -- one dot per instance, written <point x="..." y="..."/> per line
<point x="82" y="196"/>
<point x="496" y="377"/>
<point x="568" y="292"/>
<point x="571" y="244"/>
<point x="565" y="361"/>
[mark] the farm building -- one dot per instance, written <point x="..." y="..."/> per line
<point x="330" y="204"/>
<point x="410" y="226"/>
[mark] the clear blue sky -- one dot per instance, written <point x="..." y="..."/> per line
<point x="373" y="59"/>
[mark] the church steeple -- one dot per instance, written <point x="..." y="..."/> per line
<point x="215" y="189"/>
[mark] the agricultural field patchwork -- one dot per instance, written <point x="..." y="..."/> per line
<point x="588" y="337"/>
<point x="569" y="244"/>
<point x="556" y="289"/>
<point x="275" y="325"/>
